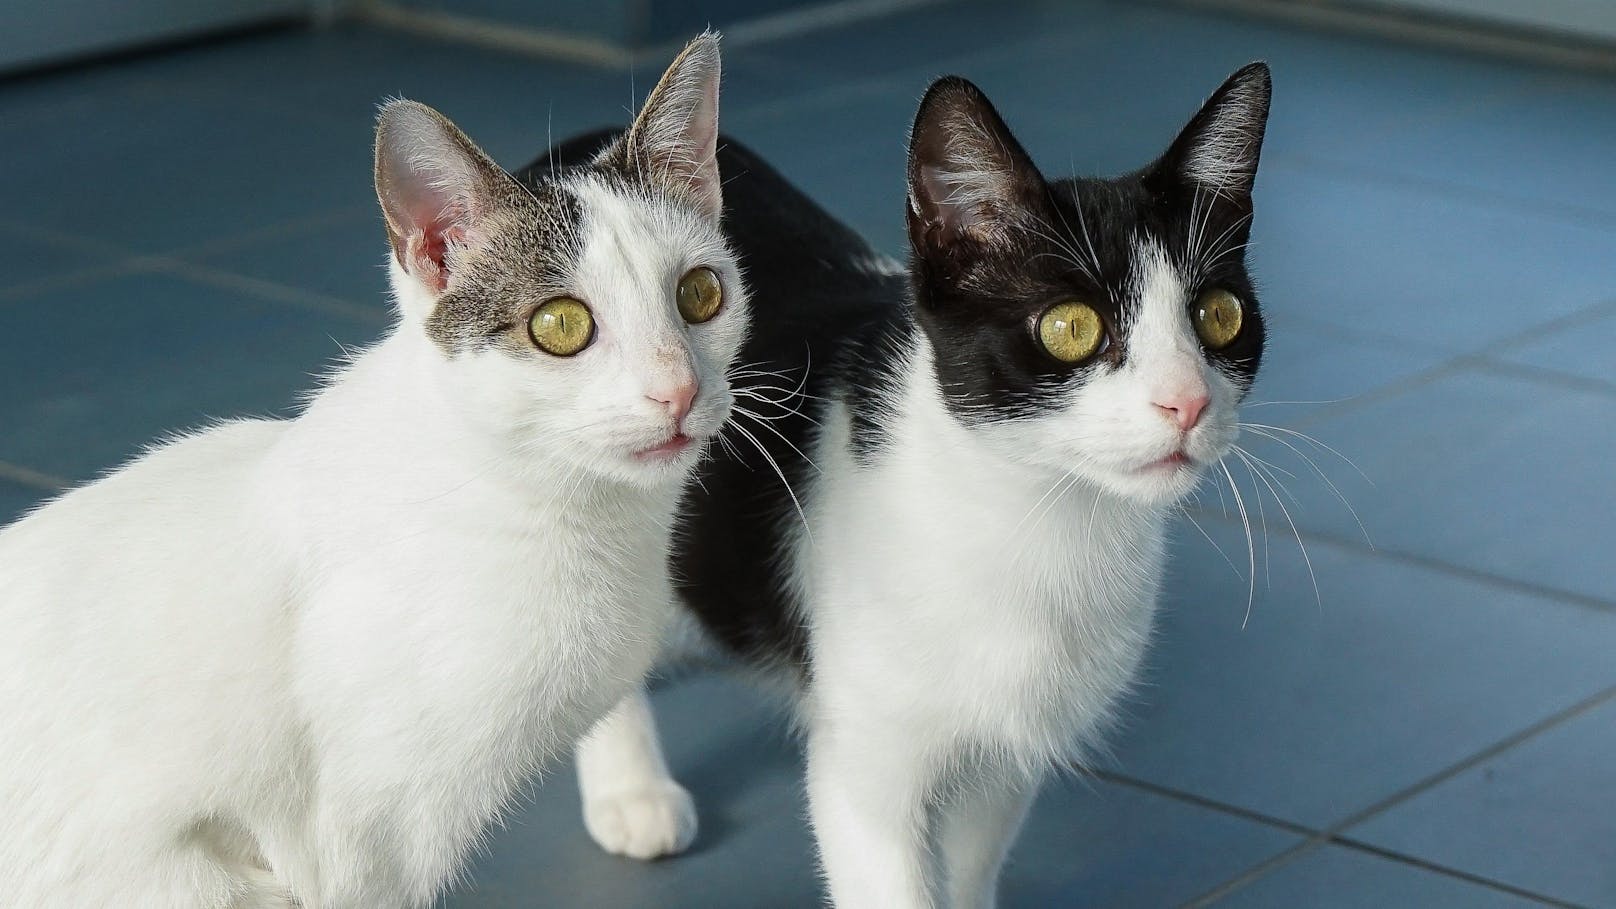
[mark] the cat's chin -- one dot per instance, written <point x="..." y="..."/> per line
<point x="1159" y="483"/>
<point x="656" y="466"/>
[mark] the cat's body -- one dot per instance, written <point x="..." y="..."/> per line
<point x="307" y="662"/>
<point x="969" y="586"/>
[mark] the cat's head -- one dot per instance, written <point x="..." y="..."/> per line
<point x="1101" y="327"/>
<point x="590" y="315"/>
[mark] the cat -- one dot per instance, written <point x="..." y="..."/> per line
<point x="959" y="583"/>
<point x="306" y="662"/>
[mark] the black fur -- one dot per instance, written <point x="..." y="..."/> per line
<point x="826" y="317"/>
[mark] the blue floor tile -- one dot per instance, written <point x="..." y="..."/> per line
<point x="157" y="173"/>
<point x="508" y="103"/>
<point x="31" y="259"/>
<point x="1544" y="146"/>
<point x="1497" y="473"/>
<point x="1087" y="842"/>
<point x="1426" y="268"/>
<point x="1536" y="816"/>
<point x="1311" y="710"/>
<point x="148" y="355"/>
<point x="856" y="170"/>
<point x="1339" y="878"/>
<point x="345" y="259"/>
<point x="15" y="499"/>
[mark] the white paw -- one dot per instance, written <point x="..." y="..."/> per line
<point x="644" y="823"/>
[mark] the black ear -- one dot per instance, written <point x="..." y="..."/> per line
<point x="675" y="137"/>
<point x="436" y="188"/>
<point x="1220" y="147"/>
<point x="969" y="178"/>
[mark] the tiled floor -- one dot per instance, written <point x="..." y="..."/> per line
<point x="1426" y="721"/>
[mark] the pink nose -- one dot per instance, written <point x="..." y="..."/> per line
<point x="677" y="398"/>
<point x="1184" y="411"/>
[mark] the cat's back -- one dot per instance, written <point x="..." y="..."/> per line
<point x="163" y="541"/>
<point x="134" y="638"/>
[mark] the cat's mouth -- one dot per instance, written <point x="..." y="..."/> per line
<point x="1178" y="460"/>
<point x="667" y="451"/>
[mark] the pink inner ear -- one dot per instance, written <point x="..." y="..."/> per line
<point x="429" y="248"/>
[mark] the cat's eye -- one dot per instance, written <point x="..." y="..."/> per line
<point x="1071" y="331"/>
<point x="562" y="326"/>
<point x="1218" y="317"/>
<point x="701" y="295"/>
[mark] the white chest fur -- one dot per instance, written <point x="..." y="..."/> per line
<point x="979" y="605"/>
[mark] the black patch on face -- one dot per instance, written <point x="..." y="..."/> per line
<point x="529" y="256"/>
<point x="980" y="306"/>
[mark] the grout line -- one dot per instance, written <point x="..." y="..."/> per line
<point x="530" y="40"/>
<point x="1428" y="376"/>
<point x="1331" y="834"/>
<point x="1256" y="872"/>
<point x="1355" y="545"/>
<point x="1586" y="705"/>
<point x="1476" y="195"/>
<point x="129" y="266"/>
<point x="274" y="231"/>
<point x="34" y="479"/>
<point x="1460" y="362"/>
<point x="1311" y="834"/>
<point x="1434" y="868"/>
<point x="128" y="262"/>
<point x="272" y="291"/>
<point x="1526" y="372"/>
<point x="1200" y="801"/>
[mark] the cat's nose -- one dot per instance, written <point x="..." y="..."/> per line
<point x="676" y="396"/>
<point x="1183" y="409"/>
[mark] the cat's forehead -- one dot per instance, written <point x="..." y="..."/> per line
<point x="528" y="256"/>
<point x="1099" y="233"/>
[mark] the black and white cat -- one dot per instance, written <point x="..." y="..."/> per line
<point x="961" y="583"/>
<point x="305" y="662"/>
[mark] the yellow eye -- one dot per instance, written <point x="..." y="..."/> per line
<point x="700" y="295"/>
<point x="1071" y="332"/>
<point x="562" y="326"/>
<point x="1218" y="317"/>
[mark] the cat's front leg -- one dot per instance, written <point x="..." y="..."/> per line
<point x="632" y="805"/>
<point x="976" y="829"/>
<point x="867" y="801"/>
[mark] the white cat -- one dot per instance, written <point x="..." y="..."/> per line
<point x="305" y="663"/>
<point x="961" y="586"/>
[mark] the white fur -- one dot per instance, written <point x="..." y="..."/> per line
<point x="979" y="601"/>
<point x="306" y="662"/>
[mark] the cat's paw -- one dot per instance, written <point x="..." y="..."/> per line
<point x="643" y="823"/>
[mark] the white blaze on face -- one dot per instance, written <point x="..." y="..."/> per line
<point x="1164" y="355"/>
<point x="1118" y="420"/>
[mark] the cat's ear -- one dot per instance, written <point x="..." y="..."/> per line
<point x="674" y="140"/>
<point x="968" y="176"/>
<point x="1220" y="147"/>
<point x="436" y="188"/>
